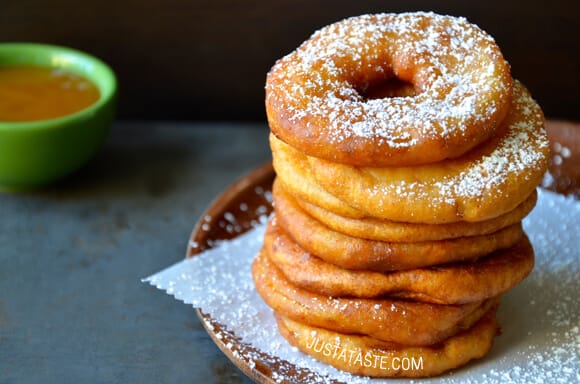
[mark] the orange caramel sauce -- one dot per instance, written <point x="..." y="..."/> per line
<point x="40" y="93"/>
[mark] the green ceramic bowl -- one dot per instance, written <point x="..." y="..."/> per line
<point x="36" y="153"/>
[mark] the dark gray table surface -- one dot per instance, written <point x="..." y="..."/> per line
<point x="72" y="307"/>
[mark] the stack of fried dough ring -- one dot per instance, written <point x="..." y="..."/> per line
<point x="406" y="158"/>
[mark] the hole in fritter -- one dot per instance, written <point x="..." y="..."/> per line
<point x="385" y="88"/>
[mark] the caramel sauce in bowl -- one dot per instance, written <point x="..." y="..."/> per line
<point x="38" y="93"/>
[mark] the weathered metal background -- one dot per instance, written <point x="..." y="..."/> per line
<point x="72" y="307"/>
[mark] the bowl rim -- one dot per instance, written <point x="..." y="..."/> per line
<point x="107" y="93"/>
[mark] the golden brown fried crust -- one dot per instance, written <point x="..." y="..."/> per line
<point x="385" y="230"/>
<point x="476" y="187"/>
<point x="363" y="355"/>
<point x="450" y="284"/>
<point x="356" y="253"/>
<point x="315" y="95"/>
<point x="297" y="179"/>
<point x="485" y="183"/>
<point x="397" y="321"/>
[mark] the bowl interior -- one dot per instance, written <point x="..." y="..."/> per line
<point x="80" y="63"/>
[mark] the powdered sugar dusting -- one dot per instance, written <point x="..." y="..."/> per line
<point x="461" y="77"/>
<point x="523" y="150"/>
<point x="491" y="172"/>
<point x="540" y="318"/>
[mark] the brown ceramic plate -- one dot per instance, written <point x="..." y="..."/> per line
<point x="242" y="199"/>
<point x="248" y="199"/>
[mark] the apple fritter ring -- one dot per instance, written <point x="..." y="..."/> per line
<point x="397" y="321"/>
<point x="316" y="97"/>
<point x="487" y="182"/>
<point x="366" y="356"/>
<point x="385" y="230"/>
<point x="449" y="284"/>
<point x="356" y="253"/>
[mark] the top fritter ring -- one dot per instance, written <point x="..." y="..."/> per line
<point x="452" y="90"/>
